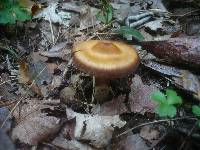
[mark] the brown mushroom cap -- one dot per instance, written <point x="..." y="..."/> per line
<point x="103" y="58"/>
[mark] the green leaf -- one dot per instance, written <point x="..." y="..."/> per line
<point x="198" y="123"/>
<point x="165" y="110"/>
<point x="158" y="97"/>
<point x="172" y="97"/>
<point x="105" y="15"/>
<point x="125" y="30"/>
<point x="6" y="16"/>
<point x="196" y="110"/>
<point x="11" y="11"/>
<point x="20" y="13"/>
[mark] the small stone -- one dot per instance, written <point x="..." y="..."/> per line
<point x="67" y="94"/>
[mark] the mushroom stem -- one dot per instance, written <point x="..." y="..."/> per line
<point x="93" y="89"/>
<point x="101" y="89"/>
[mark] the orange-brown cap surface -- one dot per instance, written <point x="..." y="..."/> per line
<point x="104" y="58"/>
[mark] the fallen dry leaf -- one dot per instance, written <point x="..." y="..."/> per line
<point x="183" y="79"/>
<point x="5" y="142"/>
<point x="131" y="142"/>
<point x="4" y="112"/>
<point x="94" y="128"/>
<point x="70" y="144"/>
<point x="189" y="82"/>
<point x="53" y="14"/>
<point x="36" y="130"/>
<point x="31" y="108"/>
<point x="6" y="88"/>
<point x="114" y="107"/>
<point x="139" y="97"/>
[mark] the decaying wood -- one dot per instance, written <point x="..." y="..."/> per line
<point x="182" y="50"/>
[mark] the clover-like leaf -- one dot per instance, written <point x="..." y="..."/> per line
<point x="165" y="110"/>
<point x="196" y="110"/>
<point x="11" y="11"/>
<point x="172" y="97"/>
<point x="158" y="97"/>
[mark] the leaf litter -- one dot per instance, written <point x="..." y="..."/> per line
<point x="54" y="80"/>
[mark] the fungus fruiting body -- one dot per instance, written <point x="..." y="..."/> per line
<point x="105" y="59"/>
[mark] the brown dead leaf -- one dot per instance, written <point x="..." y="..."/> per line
<point x="30" y="6"/>
<point x="139" y="97"/>
<point x="36" y="72"/>
<point x="36" y="130"/>
<point x="6" y="88"/>
<point x="114" y="107"/>
<point x="30" y="109"/>
<point x="70" y="144"/>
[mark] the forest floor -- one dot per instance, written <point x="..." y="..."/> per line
<point x="48" y="102"/>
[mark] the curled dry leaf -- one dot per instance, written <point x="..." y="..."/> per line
<point x="36" y="130"/>
<point x="182" y="50"/>
<point x="95" y="129"/>
<point x="183" y="79"/>
<point x="139" y="97"/>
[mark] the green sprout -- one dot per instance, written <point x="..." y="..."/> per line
<point x="105" y="15"/>
<point x="166" y="102"/>
<point x="126" y="31"/>
<point x="196" y="112"/>
<point x="11" y="11"/>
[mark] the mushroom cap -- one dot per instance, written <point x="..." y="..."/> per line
<point x="104" y="58"/>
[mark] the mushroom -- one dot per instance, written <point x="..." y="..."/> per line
<point x="105" y="59"/>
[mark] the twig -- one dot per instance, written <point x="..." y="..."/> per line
<point x="20" y="100"/>
<point x="52" y="33"/>
<point x="189" y="134"/>
<point x="155" y="122"/>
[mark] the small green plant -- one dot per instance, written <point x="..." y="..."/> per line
<point x="196" y="112"/>
<point x="11" y="11"/>
<point x="126" y="31"/>
<point x="166" y="103"/>
<point x="105" y="15"/>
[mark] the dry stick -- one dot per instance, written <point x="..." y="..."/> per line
<point x="154" y="122"/>
<point x="52" y="33"/>
<point x="189" y="134"/>
<point x="22" y="97"/>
